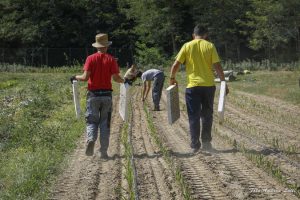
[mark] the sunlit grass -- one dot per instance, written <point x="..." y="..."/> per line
<point x="38" y="128"/>
<point x="282" y="85"/>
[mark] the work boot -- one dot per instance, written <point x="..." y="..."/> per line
<point x="89" y="151"/>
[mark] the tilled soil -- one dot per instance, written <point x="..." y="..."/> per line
<point x="223" y="173"/>
<point x="92" y="177"/>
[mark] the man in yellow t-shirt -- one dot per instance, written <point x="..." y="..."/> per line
<point x="199" y="57"/>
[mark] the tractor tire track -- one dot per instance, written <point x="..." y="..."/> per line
<point x="289" y="165"/>
<point x="153" y="177"/>
<point x="262" y="127"/>
<point x="246" y="177"/>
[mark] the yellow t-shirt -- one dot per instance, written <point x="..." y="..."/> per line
<point x="198" y="56"/>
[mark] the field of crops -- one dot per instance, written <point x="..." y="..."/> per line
<point x="42" y="144"/>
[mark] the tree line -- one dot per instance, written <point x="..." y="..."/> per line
<point x="154" y="30"/>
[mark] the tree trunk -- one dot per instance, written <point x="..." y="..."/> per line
<point x="238" y="51"/>
<point x="226" y="50"/>
<point x="298" y="43"/>
<point x="173" y="43"/>
<point x="269" y="49"/>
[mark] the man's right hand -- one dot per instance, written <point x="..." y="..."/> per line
<point x="72" y="78"/>
<point x="128" y="81"/>
<point x="173" y="81"/>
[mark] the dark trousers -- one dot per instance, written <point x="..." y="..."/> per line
<point x="199" y="102"/>
<point x="158" y="84"/>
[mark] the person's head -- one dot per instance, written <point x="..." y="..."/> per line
<point x="139" y="74"/>
<point x="102" y="42"/>
<point x="133" y="66"/>
<point x="102" y="49"/>
<point x="200" y="31"/>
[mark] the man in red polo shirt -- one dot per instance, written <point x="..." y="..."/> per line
<point x="99" y="68"/>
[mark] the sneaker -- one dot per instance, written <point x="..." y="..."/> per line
<point x="89" y="151"/>
<point x="195" y="148"/>
<point x="206" y="146"/>
<point x="103" y="155"/>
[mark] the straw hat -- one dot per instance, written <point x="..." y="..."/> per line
<point x="131" y="72"/>
<point x="101" y="40"/>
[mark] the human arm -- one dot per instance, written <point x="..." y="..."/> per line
<point x="173" y="72"/>
<point x="146" y="89"/>
<point x="83" y="77"/>
<point x="117" y="78"/>
<point x="220" y="73"/>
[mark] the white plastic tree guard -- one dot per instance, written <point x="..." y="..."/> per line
<point x="221" y="105"/>
<point x="124" y="101"/>
<point x="173" y="104"/>
<point x="76" y="98"/>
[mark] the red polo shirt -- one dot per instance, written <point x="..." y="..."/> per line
<point x="102" y="66"/>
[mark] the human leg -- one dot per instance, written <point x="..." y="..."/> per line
<point x="158" y="84"/>
<point x="105" y="120"/>
<point x="92" y="122"/>
<point x="193" y="109"/>
<point x="207" y="102"/>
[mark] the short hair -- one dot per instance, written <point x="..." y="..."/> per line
<point x="200" y="30"/>
<point x="139" y="74"/>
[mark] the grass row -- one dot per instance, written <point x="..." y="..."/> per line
<point x="264" y="110"/>
<point x="38" y="128"/>
<point x="130" y="175"/>
<point x="129" y="171"/>
<point x="262" y="162"/>
<point x="282" y="85"/>
<point x="266" y="137"/>
<point x="166" y="154"/>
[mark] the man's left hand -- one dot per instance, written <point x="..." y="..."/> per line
<point x="227" y="90"/>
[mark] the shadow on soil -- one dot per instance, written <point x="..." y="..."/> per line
<point x="176" y="154"/>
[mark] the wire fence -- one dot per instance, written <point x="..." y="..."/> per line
<point x="56" y="57"/>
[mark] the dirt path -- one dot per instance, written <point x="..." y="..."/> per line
<point x="230" y="172"/>
<point x="154" y="179"/>
<point x="92" y="177"/>
<point x="222" y="174"/>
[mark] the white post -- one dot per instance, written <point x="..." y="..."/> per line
<point x="221" y="106"/>
<point x="76" y="98"/>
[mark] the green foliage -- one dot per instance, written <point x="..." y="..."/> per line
<point x="37" y="130"/>
<point x="251" y="29"/>
<point x="158" y="23"/>
<point x="224" y="20"/>
<point x="274" y="25"/>
<point x="57" y="23"/>
<point x="273" y="22"/>
<point x="146" y="56"/>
